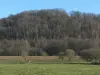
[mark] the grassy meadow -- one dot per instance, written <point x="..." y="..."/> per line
<point x="35" y="65"/>
<point x="49" y="69"/>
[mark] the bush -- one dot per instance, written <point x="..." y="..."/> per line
<point x="61" y="57"/>
<point x="22" y="46"/>
<point x="54" y="47"/>
<point x="37" y="52"/>
<point x="85" y="54"/>
<point x="5" y="47"/>
<point x="79" y="44"/>
<point x="70" y="54"/>
<point x="91" y="54"/>
<point x="40" y="43"/>
<point x="14" y="47"/>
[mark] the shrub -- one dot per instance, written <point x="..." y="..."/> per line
<point x="5" y="47"/>
<point x="79" y="44"/>
<point x="40" y="43"/>
<point x="85" y="54"/>
<point x="21" y="46"/>
<point x="70" y="54"/>
<point x="54" y="47"/>
<point x="37" y="52"/>
<point x="14" y="47"/>
<point x="61" y="57"/>
<point x="43" y="53"/>
<point x="91" y="54"/>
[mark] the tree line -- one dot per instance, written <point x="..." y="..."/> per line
<point x="49" y="32"/>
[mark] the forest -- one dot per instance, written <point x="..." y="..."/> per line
<point x="50" y="32"/>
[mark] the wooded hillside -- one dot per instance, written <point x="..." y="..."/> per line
<point x="48" y="32"/>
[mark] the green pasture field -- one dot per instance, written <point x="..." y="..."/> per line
<point x="49" y="69"/>
<point x="34" y="65"/>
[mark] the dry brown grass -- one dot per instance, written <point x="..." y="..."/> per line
<point x="29" y="57"/>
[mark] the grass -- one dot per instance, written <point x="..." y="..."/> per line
<point x="49" y="69"/>
<point x="12" y="65"/>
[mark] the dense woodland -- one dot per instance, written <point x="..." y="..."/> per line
<point x="49" y="32"/>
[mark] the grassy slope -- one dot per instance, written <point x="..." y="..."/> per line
<point x="49" y="69"/>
